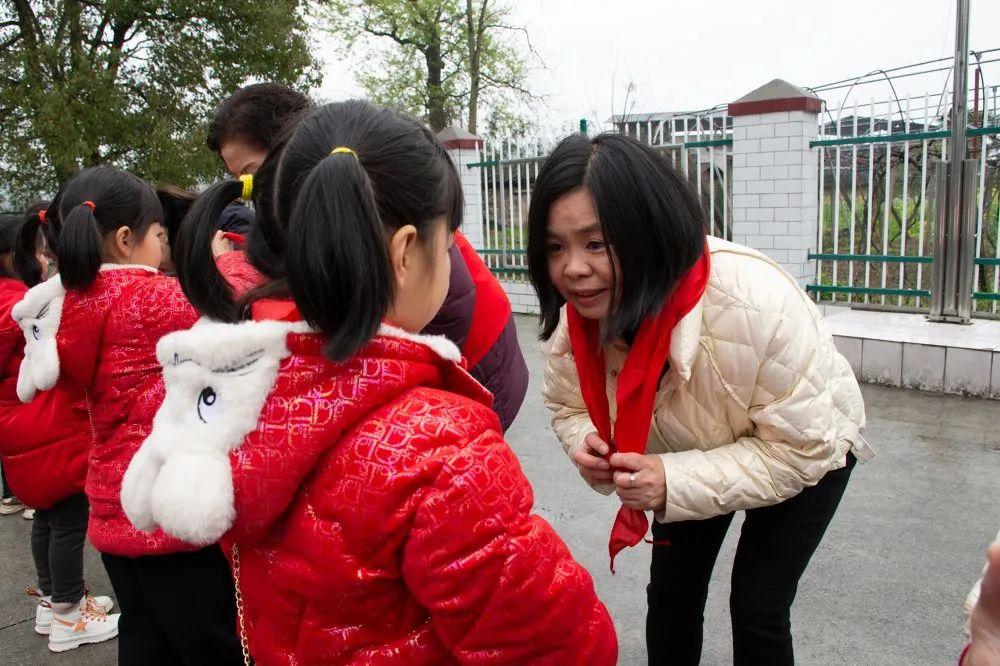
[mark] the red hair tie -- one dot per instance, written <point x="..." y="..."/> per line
<point x="41" y="217"/>
<point x="90" y="204"/>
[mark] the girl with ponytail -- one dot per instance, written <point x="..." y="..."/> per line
<point x="44" y="450"/>
<point x="95" y="328"/>
<point x="370" y="507"/>
<point x="33" y="251"/>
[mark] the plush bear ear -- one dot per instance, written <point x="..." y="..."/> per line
<point x="38" y="314"/>
<point x="217" y="379"/>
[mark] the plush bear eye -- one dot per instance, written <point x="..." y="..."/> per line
<point x="36" y="332"/>
<point x="209" y="404"/>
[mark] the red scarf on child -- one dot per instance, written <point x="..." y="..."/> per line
<point x="637" y="384"/>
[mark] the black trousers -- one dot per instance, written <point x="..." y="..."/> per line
<point x="775" y="546"/>
<point x="3" y="481"/>
<point x="57" y="537"/>
<point x="176" y="609"/>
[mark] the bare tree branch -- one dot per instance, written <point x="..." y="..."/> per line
<point x="522" y="30"/>
<point x="10" y="42"/>
<point x="99" y="34"/>
<point x="30" y="27"/>
<point x="394" y="36"/>
<point x="509" y="85"/>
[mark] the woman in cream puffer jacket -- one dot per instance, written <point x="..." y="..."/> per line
<point x="757" y="403"/>
<point x="754" y="409"/>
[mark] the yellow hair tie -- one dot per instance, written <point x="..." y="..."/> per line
<point x="344" y="149"/>
<point x="247" y="180"/>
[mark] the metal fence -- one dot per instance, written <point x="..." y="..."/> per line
<point x="876" y="201"/>
<point x="699" y="146"/>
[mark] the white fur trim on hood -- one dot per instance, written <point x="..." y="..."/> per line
<point x="39" y="314"/>
<point x="438" y="344"/>
<point x="119" y="267"/>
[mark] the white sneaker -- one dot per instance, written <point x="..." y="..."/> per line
<point x="28" y="514"/>
<point x="11" y="505"/>
<point x="76" y="628"/>
<point x="43" y="611"/>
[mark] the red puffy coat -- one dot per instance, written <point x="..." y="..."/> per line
<point x="106" y="340"/>
<point x="376" y="512"/>
<point x="44" y="444"/>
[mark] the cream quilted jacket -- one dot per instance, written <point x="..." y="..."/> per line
<point x="757" y="403"/>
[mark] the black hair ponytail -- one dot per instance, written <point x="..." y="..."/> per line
<point x="79" y="248"/>
<point x="349" y="175"/>
<point x="350" y="264"/>
<point x="197" y="272"/>
<point x="25" y="250"/>
<point x="95" y="203"/>
<point x="41" y="221"/>
<point x="10" y="226"/>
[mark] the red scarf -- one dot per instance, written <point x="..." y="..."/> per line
<point x="637" y="384"/>
<point x="491" y="309"/>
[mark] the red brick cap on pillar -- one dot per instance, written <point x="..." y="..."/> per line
<point x="456" y="137"/>
<point x="773" y="97"/>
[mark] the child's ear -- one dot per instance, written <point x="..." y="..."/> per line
<point x="123" y="241"/>
<point x="402" y="245"/>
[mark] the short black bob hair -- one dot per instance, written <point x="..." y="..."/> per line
<point x="256" y="114"/>
<point x="650" y="217"/>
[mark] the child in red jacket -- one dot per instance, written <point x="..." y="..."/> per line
<point x="44" y="447"/>
<point x="95" y="328"/>
<point x="372" y="510"/>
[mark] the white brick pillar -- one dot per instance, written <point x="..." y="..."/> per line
<point x="463" y="148"/>
<point x="775" y="175"/>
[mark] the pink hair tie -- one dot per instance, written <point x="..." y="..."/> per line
<point x="90" y="204"/>
<point x="41" y="217"/>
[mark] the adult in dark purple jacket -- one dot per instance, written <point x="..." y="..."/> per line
<point x="502" y="370"/>
<point x="242" y="131"/>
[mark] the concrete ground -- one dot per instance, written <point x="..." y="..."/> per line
<point x="885" y="587"/>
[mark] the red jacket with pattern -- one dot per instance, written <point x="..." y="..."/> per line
<point x="376" y="511"/>
<point x="43" y="444"/>
<point x="105" y="343"/>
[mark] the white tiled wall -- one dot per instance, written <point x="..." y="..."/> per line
<point x="522" y="297"/>
<point x="934" y="368"/>
<point x="968" y="371"/>
<point x="882" y="362"/>
<point x="851" y="349"/>
<point x="923" y="367"/>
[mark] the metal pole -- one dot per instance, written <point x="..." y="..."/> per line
<point x="960" y="104"/>
<point x="951" y="301"/>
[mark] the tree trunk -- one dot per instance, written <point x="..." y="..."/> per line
<point x="75" y="35"/>
<point x="437" y="115"/>
<point x="474" y="45"/>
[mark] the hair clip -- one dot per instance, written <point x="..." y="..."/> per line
<point x="344" y="149"/>
<point x="247" y="180"/>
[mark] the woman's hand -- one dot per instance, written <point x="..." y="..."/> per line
<point x="221" y="244"/>
<point x="589" y="458"/>
<point x="985" y="647"/>
<point x="648" y="491"/>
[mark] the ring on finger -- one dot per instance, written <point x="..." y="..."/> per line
<point x="631" y="480"/>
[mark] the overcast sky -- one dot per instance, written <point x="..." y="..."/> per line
<point x="695" y="54"/>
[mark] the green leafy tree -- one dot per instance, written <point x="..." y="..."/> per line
<point x="131" y="82"/>
<point x="443" y="60"/>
